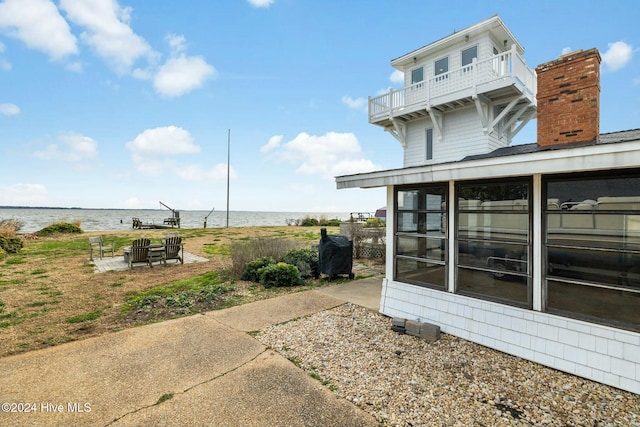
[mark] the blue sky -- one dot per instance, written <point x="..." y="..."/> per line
<point x="121" y="104"/>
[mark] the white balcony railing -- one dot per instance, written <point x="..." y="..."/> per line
<point x="508" y="67"/>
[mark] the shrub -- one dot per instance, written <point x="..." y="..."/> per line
<point x="309" y="222"/>
<point x="61" y="228"/>
<point x="2" y="253"/>
<point x="9" y="227"/>
<point x="374" y="223"/>
<point x="330" y="222"/>
<point x="243" y="252"/>
<point x="306" y="259"/>
<point x="280" y="274"/>
<point x="252" y="272"/>
<point x="11" y="244"/>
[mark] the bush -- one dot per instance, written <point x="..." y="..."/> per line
<point x="330" y="222"/>
<point x="306" y="259"/>
<point x="2" y="253"/>
<point x="374" y="223"/>
<point x="243" y="252"/>
<point x="309" y="222"/>
<point x="280" y="274"/>
<point x="59" y="228"/>
<point x="252" y="272"/>
<point x="9" y="227"/>
<point x="11" y="245"/>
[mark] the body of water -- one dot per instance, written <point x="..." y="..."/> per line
<point x="34" y="219"/>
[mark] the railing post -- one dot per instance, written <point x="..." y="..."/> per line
<point x="476" y="70"/>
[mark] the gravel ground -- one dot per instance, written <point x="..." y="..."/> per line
<point x="405" y="381"/>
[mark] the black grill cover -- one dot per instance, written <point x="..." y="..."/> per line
<point x="335" y="254"/>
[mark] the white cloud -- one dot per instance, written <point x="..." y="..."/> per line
<point x="356" y="104"/>
<point x="397" y="77"/>
<point x="108" y="31"/>
<point x="75" y="67"/>
<point x="274" y="142"/>
<point x="565" y="50"/>
<point x="72" y="147"/>
<point x="5" y="65"/>
<point x="154" y="152"/>
<point x="161" y="141"/>
<point x="195" y="172"/>
<point x="39" y="25"/>
<point x="618" y="55"/>
<point x="9" y="109"/>
<point x="261" y="3"/>
<point x="328" y="155"/>
<point x="176" y="42"/>
<point x="23" y="195"/>
<point x="182" y="74"/>
<point x="2" y="47"/>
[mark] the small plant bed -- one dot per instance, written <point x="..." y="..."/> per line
<point x="184" y="297"/>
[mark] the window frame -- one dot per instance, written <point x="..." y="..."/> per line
<point x="596" y="282"/>
<point x="439" y="74"/>
<point x="429" y="143"/>
<point x="468" y="66"/>
<point x="492" y="268"/>
<point x="441" y="188"/>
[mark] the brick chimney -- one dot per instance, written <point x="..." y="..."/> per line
<point x="569" y="99"/>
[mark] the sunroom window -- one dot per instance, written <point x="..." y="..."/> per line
<point x="592" y="248"/>
<point x="493" y="231"/>
<point x="421" y="235"/>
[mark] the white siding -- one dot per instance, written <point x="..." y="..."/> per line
<point x="415" y="152"/>
<point x="463" y="136"/>
<point x="558" y="342"/>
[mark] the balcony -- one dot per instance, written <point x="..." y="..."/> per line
<point x="500" y="80"/>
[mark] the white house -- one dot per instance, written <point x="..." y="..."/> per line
<point x="531" y="249"/>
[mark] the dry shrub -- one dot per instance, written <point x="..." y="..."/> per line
<point x="243" y="252"/>
<point x="9" y="227"/>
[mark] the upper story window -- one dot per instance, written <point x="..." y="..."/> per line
<point x="441" y="66"/>
<point x="468" y="55"/>
<point x="417" y="75"/>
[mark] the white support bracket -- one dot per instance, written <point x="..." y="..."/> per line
<point x="525" y="119"/>
<point x="479" y="100"/>
<point x="398" y="132"/>
<point x="506" y="111"/>
<point x="437" y="120"/>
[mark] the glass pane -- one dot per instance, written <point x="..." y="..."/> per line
<point x="422" y="273"/>
<point x="496" y="226"/>
<point x="508" y="287"/>
<point x="494" y="196"/>
<point x="407" y="199"/>
<point x="416" y="75"/>
<point x="435" y="199"/>
<point x="501" y="258"/>
<point x="596" y="193"/>
<point x="605" y="305"/>
<point x="469" y="54"/>
<point x="607" y="267"/>
<point x="601" y="230"/>
<point x="441" y="66"/>
<point x="407" y="222"/>
<point x="421" y="247"/>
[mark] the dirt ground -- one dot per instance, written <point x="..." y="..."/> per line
<point x="40" y="295"/>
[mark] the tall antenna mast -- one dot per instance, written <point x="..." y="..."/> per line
<point x="228" y="168"/>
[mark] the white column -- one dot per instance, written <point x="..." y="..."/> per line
<point x="451" y="230"/>
<point x="390" y="232"/>
<point x="537" y="239"/>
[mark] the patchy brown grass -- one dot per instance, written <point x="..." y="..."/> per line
<point x="44" y="292"/>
